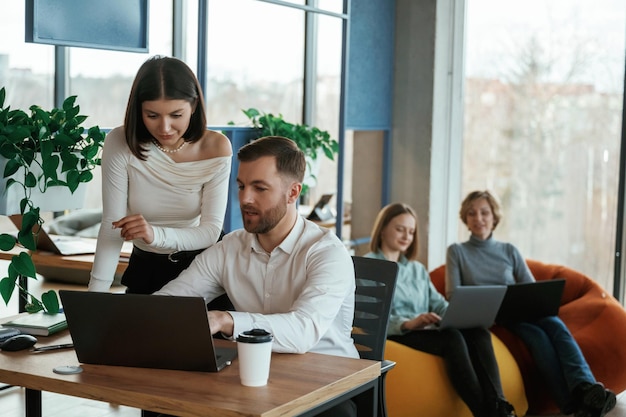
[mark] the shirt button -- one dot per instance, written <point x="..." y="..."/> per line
<point x="267" y="295"/>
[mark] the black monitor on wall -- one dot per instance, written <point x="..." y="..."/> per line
<point x="120" y="25"/>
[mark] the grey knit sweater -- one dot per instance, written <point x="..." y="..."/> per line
<point x="484" y="262"/>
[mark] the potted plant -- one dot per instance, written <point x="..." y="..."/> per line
<point x="311" y="140"/>
<point x="44" y="152"/>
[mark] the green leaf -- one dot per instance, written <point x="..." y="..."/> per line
<point x="2" y="96"/>
<point x="85" y="176"/>
<point x="6" y="288"/>
<point x="50" y="166"/>
<point x="90" y="152"/>
<point x="70" y="161"/>
<point x="63" y="141"/>
<point x="24" y="265"/>
<point x="7" y="242"/>
<point x="30" y="219"/>
<point x="23" y="205"/>
<point x="27" y="240"/>
<point x="68" y="103"/>
<point x="46" y="149"/>
<point x="34" y="306"/>
<point x="11" y="167"/>
<point x="50" y="301"/>
<point x="328" y="153"/>
<point x="30" y="181"/>
<point x="251" y="113"/>
<point x="73" y="180"/>
<point x="28" y="155"/>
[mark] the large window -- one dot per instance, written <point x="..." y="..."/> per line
<point x="255" y="58"/>
<point x="102" y="79"/>
<point x="543" y="108"/>
<point x="26" y="69"/>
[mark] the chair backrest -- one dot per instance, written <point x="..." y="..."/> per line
<point x="375" y="284"/>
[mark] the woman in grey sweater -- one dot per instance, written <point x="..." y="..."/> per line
<point x="482" y="260"/>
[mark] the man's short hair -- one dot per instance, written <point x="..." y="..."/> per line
<point x="289" y="158"/>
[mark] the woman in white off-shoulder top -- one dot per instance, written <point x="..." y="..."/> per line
<point x="165" y="180"/>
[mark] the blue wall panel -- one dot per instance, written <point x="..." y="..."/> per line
<point x="370" y="65"/>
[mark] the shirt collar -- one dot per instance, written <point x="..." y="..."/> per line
<point x="289" y="242"/>
<point x="403" y="260"/>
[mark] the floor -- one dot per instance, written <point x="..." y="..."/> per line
<point x="618" y="411"/>
<point x="56" y="405"/>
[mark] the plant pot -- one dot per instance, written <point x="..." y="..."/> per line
<point x="57" y="198"/>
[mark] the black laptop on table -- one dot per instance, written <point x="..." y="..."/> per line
<point x="145" y="331"/>
<point x="531" y="300"/>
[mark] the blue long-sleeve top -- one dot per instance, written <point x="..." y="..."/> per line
<point x="414" y="294"/>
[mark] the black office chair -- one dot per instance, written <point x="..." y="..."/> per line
<point x="375" y="284"/>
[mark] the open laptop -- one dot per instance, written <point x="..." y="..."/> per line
<point x="322" y="210"/>
<point x="61" y="245"/>
<point x="145" y="331"/>
<point x="531" y="300"/>
<point x="472" y="306"/>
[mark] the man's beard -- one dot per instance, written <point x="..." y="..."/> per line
<point x="267" y="220"/>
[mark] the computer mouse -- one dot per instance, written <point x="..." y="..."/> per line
<point x="19" y="342"/>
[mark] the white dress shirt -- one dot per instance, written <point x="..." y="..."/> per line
<point x="302" y="292"/>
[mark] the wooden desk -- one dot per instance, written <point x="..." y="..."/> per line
<point x="299" y="385"/>
<point x="73" y="269"/>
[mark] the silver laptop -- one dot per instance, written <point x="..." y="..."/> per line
<point x="145" y="331"/>
<point x="472" y="306"/>
<point x="61" y="245"/>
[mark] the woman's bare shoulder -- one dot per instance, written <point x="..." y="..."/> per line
<point x="215" y="144"/>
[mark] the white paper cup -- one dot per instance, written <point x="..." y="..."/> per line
<point x="254" y="352"/>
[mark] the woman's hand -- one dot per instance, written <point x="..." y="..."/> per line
<point x="421" y="321"/>
<point x="135" y="227"/>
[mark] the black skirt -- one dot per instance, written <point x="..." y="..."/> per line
<point x="147" y="272"/>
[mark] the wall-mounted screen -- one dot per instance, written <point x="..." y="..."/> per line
<point x="120" y="25"/>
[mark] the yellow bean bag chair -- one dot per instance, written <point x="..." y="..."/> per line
<point x="419" y="387"/>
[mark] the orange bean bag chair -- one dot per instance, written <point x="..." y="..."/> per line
<point x="594" y="317"/>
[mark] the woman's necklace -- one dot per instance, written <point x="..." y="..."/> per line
<point x="162" y="149"/>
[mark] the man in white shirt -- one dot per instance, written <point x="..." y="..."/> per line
<point x="282" y="273"/>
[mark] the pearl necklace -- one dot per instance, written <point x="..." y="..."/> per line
<point x="162" y="149"/>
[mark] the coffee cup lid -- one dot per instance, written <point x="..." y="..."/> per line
<point x="255" y="336"/>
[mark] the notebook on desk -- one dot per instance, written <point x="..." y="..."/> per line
<point x="145" y="331"/>
<point x="531" y="300"/>
<point x="472" y="306"/>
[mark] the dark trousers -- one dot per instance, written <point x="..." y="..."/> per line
<point x="469" y="360"/>
<point x="148" y="272"/>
